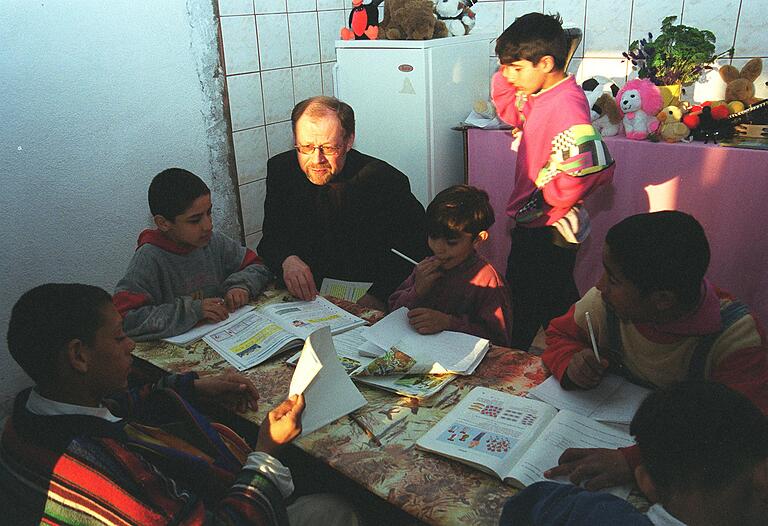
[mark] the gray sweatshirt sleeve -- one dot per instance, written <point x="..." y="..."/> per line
<point x="243" y="268"/>
<point x="137" y="298"/>
<point x="153" y="322"/>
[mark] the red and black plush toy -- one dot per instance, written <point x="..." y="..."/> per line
<point x="363" y="21"/>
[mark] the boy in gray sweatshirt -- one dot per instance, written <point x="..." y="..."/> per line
<point x="183" y="272"/>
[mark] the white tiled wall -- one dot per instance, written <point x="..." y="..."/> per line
<point x="279" y="52"/>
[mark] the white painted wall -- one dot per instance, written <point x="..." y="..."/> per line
<point x="96" y="98"/>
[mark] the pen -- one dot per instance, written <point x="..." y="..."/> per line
<point x="404" y="256"/>
<point x="367" y="431"/>
<point x="592" y="335"/>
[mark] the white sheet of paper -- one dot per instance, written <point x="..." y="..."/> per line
<point x="391" y="329"/>
<point x="370" y="350"/>
<point x="308" y="366"/>
<point x="613" y="400"/>
<point x="329" y="394"/>
<point x="446" y="351"/>
<point x="197" y="332"/>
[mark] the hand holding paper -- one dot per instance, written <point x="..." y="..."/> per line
<point x="319" y="375"/>
<point x="281" y="425"/>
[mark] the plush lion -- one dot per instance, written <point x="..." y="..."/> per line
<point x="410" y="20"/>
<point x="639" y="102"/>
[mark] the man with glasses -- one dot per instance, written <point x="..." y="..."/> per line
<point x="331" y="211"/>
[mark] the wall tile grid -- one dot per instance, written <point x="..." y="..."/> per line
<point x="279" y="52"/>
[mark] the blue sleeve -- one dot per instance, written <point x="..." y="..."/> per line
<point x="552" y="503"/>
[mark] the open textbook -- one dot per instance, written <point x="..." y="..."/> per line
<point x="348" y="345"/>
<point x="408" y="352"/>
<point x="267" y="330"/>
<point x="328" y="392"/>
<point x="198" y="331"/>
<point x="614" y="400"/>
<point x="514" y="438"/>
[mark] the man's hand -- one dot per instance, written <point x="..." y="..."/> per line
<point x="236" y="298"/>
<point x="372" y="302"/>
<point x="233" y="390"/>
<point x="298" y="278"/>
<point x="214" y="310"/>
<point x="281" y="425"/>
<point x="584" y="370"/>
<point x="428" y="321"/>
<point x="597" y="468"/>
<point x="427" y="272"/>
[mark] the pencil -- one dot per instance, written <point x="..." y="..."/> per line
<point x="367" y="431"/>
<point x="404" y="256"/>
<point x="592" y="335"/>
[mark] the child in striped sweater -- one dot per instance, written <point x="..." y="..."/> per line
<point x="81" y="449"/>
<point x="657" y="321"/>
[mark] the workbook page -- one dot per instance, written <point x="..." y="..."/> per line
<point x="613" y="400"/>
<point x="302" y="318"/>
<point x="566" y="430"/>
<point x="489" y="429"/>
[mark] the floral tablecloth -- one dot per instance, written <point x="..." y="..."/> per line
<point x="433" y="489"/>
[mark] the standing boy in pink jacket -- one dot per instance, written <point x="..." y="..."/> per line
<point x="561" y="158"/>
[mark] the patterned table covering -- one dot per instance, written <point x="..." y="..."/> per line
<point x="433" y="489"/>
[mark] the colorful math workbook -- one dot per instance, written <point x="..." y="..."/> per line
<point x="515" y="438"/>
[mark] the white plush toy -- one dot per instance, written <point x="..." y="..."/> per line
<point x="604" y="112"/>
<point x="639" y="102"/>
<point x="457" y="15"/>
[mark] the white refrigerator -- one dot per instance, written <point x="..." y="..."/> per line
<point x="407" y="95"/>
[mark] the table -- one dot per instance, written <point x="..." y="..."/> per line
<point x="724" y="188"/>
<point x="431" y="488"/>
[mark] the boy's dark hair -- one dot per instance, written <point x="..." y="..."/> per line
<point x="174" y="190"/>
<point x="46" y="318"/>
<point x="532" y="37"/>
<point x="661" y="251"/>
<point x="698" y="435"/>
<point x="460" y="208"/>
<point x="321" y="104"/>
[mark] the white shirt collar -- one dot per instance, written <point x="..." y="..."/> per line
<point x="661" y="517"/>
<point x="39" y="405"/>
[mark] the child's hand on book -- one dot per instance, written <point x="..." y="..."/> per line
<point x="427" y="272"/>
<point x="214" y="310"/>
<point x="236" y="298"/>
<point x="584" y="370"/>
<point x="281" y="425"/>
<point x="428" y="321"/>
<point x="594" y="468"/>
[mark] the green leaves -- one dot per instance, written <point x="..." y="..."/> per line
<point x="679" y="55"/>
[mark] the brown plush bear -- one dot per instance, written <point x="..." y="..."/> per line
<point x="410" y="20"/>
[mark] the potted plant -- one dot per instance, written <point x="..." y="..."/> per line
<point x="676" y="57"/>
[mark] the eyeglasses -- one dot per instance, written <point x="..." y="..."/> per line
<point x="327" y="150"/>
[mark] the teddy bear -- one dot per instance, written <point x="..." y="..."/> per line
<point x="410" y="20"/>
<point x="740" y="84"/>
<point x="639" y="102"/>
<point x="457" y="15"/>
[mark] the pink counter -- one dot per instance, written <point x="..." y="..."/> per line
<point x="724" y="188"/>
